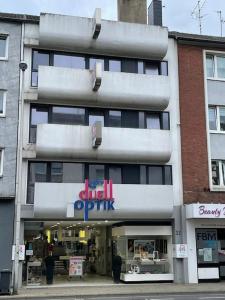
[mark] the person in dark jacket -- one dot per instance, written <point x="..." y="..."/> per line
<point x="50" y="263"/>
<point x="116" y="267"/>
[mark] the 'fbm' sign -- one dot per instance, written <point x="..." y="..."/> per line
<point x="97" y="194"/>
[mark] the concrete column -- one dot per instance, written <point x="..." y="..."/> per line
<point x="132" y="11"/>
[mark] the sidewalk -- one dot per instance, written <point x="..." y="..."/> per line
<point x="113" y="289"/>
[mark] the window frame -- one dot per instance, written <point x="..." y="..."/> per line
<point x="215" y="55"/>
<point x="221" y="185"/>
<point x="218" y="127"/>
<point x="3" y="114"/>
<point x="1" y="161"/>
<point x="6" y="38"/>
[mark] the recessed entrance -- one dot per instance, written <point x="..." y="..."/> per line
<point x="72" y="251"/>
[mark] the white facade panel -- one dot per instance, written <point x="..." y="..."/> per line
<point x="116" y="38"/>
<point x="117" y="89"/>
<point x="118" y="144"/>
<point x="55" y="200"/>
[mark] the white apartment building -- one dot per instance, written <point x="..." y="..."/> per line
<point x="101" y="166"/>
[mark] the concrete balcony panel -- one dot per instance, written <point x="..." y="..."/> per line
<point x="55" y="200"/>
<point x="118" y="144"/>
<point x="116" y="90"/>
<point x="71" y="33"/>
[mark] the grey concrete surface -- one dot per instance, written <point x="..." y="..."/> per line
<point x="125" y="291"/>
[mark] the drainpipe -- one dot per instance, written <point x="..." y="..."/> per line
<point x="22" y="67"/>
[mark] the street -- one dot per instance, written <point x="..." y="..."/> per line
<point x="194" y="296"/>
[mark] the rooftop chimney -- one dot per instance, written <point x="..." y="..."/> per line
<point x="155" y="13"/>
<point x="132" y="11"/>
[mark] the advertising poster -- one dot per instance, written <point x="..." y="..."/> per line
<point x="76" y="266"/>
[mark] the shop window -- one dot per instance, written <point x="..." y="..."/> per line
<point x="2" y="103"/>
<point x="39" y="115"/>
<point x="207" y="246"/>
<point x="68" y="115"/>
<point x="40" y="58"/>
<point x="3" y="47"/>
<point x="69" y="61"/>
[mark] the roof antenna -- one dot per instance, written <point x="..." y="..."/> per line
<point x="221" y="21"/>
<point x="197" y="13"/>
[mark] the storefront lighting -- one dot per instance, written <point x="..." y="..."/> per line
<point x="83" y="241"/>
<point x="106" y="221"/>
<point x="48" y="234"/>
<point x="82" y="233"/>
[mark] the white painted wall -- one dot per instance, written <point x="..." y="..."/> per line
<point x="55" y="200"/>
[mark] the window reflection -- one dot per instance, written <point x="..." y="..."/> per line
<point x="68" y="61"/>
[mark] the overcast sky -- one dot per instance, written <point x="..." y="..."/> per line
<point x="176" y="13"/>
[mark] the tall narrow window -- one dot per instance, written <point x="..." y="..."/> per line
<point x="2" y="103"/>
<point x="39" y="115"/>
<point x="155" y="175"/>
<point x="1" y="162"/>
<point x="222" y="118"/>
<point x="3" y="47"/>
<point x="153" y="121"/>
<point x="212" y="118"/>
<point x="56" y="172"/>
<point x="210" y="66"/>
<point x="221" y="66"/>
<point x="114" y="119"/>
<point x="96" y="172"/>
<point x="40" y="58"/>
<point x="115" y="174"/>
<point x="223" y="171"/>
<point x="215" y="173"/>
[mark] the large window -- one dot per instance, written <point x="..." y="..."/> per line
<point x="217" y="118"/>
<point x="73" y="172"/>
<point x="3" y="47"/>
<point x="1" y="161"/>
<point x="86" y="61"/>
<point x="2" y="103"/>
<point x="88" y="116"/>
<point x="215" y="66"/>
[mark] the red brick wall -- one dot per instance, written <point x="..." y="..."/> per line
<point x="193" y="128"/>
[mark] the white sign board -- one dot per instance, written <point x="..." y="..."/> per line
<point x="21" y="252"/>
<point x="76" y="266"/>
<point x="205" y="211"/>
<point x="180" y="251"/>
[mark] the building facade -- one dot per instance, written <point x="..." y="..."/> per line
<point x="101" y="165"/>
<point x="202" y="90"/>
<point x="10" y="40"/>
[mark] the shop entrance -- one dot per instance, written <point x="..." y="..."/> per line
<point x="62" y="252"/>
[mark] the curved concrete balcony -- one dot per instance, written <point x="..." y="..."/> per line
<point x="71" y="33"/>
<point x="132" y="201"/>
<point x="75" y="86"/>
<point x="118" y="144"/>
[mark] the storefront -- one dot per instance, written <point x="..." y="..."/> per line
<point x="206" y="241"/>
<point x="83" y="225"/>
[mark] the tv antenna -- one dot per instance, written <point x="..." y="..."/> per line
<point x="197" y="13"/>
<point x="221" y="21"/>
